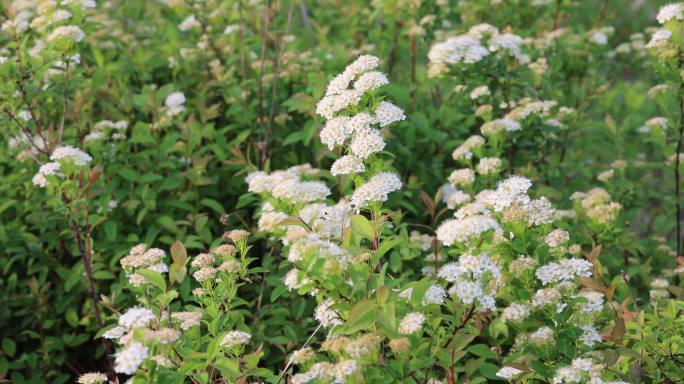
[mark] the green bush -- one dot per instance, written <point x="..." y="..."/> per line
<point x="362" y="191"/>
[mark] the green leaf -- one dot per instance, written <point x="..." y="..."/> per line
<point x="177" y="273"/>
<point x="481" y="350"/>
<point x="213" y="204"/>
<point x="129" y="174"/>
<point x="168" y="223"/>
<point x="362" y="227"/>
<point x="110" y="230"/>
<point x="153" y="278"/>
<point x="360" y="317"/>
<point x="489" y="371"/>
<point x="419" y="290"/>
<point x="384" y="247"/>
<point x="71" y="317"/>
<point x="9" y="347"/>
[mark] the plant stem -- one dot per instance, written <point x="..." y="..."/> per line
<point x="678" y="204"/>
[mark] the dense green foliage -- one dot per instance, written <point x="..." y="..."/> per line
<point x="171" y="174"/>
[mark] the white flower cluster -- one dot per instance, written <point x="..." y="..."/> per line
<point x="204" y="263"/>
<point x="289" y="185"/>
<point x="375" y="190"/>
<point x="47" y="169"/>
<point x="326" y="372"/>
<point x="129" y="359"/>
<point x="102" y="130"/>
<point x="582" y="370"/>
<point x="70" y="154"/>
<point x="326" y="315"/>
<point x="235" y="338"/>
<point x="472" y="47"/>
<point x="140" y="257"/>
<point x="465" y="150"/>
<point x="312" y="246"/>
<point x="70" y="33"/>
<point x="475" y="279"/>
<point x="92" y="378"/>
<point x="466" y="229"/>
<point x="411" y="323"/>
<point x="597" y="205"/>
<point x="671" y="12"/>
<point x="564" y="270"/>
<point x="136" y="317"/>
<point x="355" y="131"/>
<point x="175" y="103"/>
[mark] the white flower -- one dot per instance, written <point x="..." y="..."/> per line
<point x="566" y="269"/>
<point x="510" y="43"/>
<point x="269" y="221"/>
<point x="467" y="291"/>
<point x="335" y="132"/>
<point x="500" y="125"/>
<point x="411" y="323"/>
<point x="331" y="104"/>
<point x="370" y="81"/>
<point x="594" y="304"/>
<point x="346" y="165"/>
<point x="136" y="317"/>
<point x="67" y="32"/>
<point x="302" y="355"/>
<point x="327" y="316"/>
<point x="462" y="177"/>
<point x="488" y="165"/>
<point x="434" y="295"/>
<point x="360" y="123"/>
<point x="659" y="38"/>
<point x="480" y="91"/>
<point x="363" y="63"/>
<point x="567" y="375"/>
<point x="344" y="369"/>
<point x="452" y="272"/>
<point x="114" y="333"/>
<point x="464" y="151"/>
<point x="599" y="38"/>
<point x="189" y="23"/>
<point x="456" y="198"/>
<point x="376" y="189"/>
<point x="541" y="336"/>
<point x="85" y="4"/>
<point x="92" y="378"/>
<point x="387" y="113"/>
<point x="590" y="335"/>
<point x="463" y="230"/>
<point x="175" y="103"/>
<point x="71" y="154"/>
<point x="235" y="338"/>
<point x="45" y="170"/>
<point x="508" y="372"/>
<point x="515" y="313"/>
<point x="660" y="283"/>
<point x="671" y="12"/>
<point x="128" y="359"/>
<point x="460" y="49"/>
<point x="187" y="319"/>
<point x="544" y="297"/>
<point x="367" y="143"/>
<point x="557" y="238"/>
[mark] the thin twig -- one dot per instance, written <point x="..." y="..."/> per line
<point x="289" y="363"/>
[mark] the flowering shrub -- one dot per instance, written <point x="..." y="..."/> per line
<point x="358" y="192"/>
